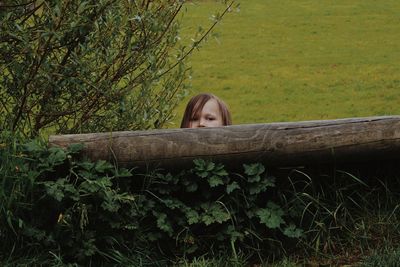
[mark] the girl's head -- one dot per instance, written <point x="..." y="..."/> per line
<point x="206" y="110"/>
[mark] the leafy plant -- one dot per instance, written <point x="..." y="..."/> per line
<point x="208" y="206"/>
<point x="69" y="66"/>
<point x="82" y="212"/>
<point x="91" y="211"/>
<point x="51" y="201"/>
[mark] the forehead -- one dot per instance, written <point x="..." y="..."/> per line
<point x="211" y="106"/>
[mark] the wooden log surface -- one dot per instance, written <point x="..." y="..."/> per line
<point x="283" y="144"/>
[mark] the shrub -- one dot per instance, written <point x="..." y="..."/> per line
<point x="57" y="208"/>
<point x="87" y="66"/>
<point x="86" y="211"/>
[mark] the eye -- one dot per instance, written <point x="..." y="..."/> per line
<point x="210" y="118"/>
<point x="194" y="119"/>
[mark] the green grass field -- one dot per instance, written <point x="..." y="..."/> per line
<point x="299" y="60"/>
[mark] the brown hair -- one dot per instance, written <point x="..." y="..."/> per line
<point x="196" y="104"/>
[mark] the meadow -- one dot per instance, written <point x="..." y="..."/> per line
<point x="298" y="60"/>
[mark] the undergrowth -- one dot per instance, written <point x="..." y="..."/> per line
<point x="58" y="208"/>
<point x="386" y="257"/>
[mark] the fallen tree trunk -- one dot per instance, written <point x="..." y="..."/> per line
<point x="282" y="144"/>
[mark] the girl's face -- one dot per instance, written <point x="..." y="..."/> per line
<point x="210" y="116"/>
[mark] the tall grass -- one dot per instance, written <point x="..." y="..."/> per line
<point x="14" y="190"/>
<point x="388" y="258"/>
<point x="346" y="217"/>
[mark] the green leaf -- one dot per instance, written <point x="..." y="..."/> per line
<point x="165" y="178"/>
<point x="220" y="167"/>
<point x="163" y="223"/>
<point x="192" y="187"/>
<point x="210" y="166"/>
<point x="57" y="156"/>
<point x="271" y="216"/>
<point x="72" y="192"/>
<point x="261" y="186"/>
<point x="220" y="172"/>
<point x="109" y="203"/>
<point x="207" y="219"/>
<point x="87" y="175"/>
<point x="86" y="165"/>
<point x="215" y="180"/>
<point x="92" y="186"/>
<point x="233" y="233"/>
<point x="231" y="187"/>
<point x="122" y="172"/>
<point x="203" y="168"/>
<point x="55" y="189"/>
<point x="215" y="213"/>
<point x="173" y="204"/>
<point x="293" y="231"/>
<point x="253" y="172"/>
<point x="75" y="148"/>
<point x="202" y="174"/>
<point x="102" y="166"/>
<point x="33" y="174"/>
<point x="253" y="169"/>
<point x="199" y="164"/>
<point x="255" y="189"/>
<point x="269" y="181"/>
<point x="192" y="216"/>
<point x="33" y="147"/>
<point x="219" y="213"/>
<point x="253" y="179"/>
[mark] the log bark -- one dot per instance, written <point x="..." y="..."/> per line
<point x="273" y="144"/>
